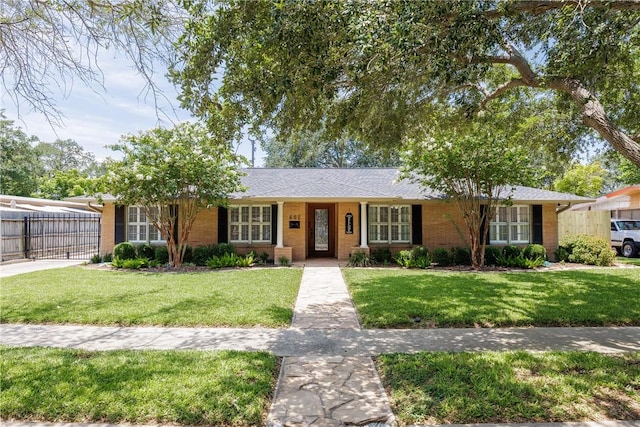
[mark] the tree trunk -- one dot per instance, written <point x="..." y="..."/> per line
<point x="594" y="116"/>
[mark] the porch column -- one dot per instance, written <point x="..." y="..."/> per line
<point x="280" y="234"/>
<point x="363" y="225"/>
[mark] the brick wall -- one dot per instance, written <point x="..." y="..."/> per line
<point x="108" y="221"/>
<point x="295" y="237"/>
<point x="439" y="222"/>
<point x="345" y="243"/>
<point x="205" y="228"/>
<point x="549" y="229"/>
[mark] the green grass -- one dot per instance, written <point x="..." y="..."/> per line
<point x="77" y="295"/>
<point x="515" y="387"/>
<point x="185" y="387"/>
<point x="390" y="298"/>
<point x="632" y="261"/>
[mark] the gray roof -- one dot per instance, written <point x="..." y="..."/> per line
<point x="358" y="183"/>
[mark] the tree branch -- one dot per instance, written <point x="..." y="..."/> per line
<point x="541" y="6"/>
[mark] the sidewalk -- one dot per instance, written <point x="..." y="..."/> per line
<point x="27" y="266"/>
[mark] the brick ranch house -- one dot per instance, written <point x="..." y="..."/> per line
<point x="307" y="213"/>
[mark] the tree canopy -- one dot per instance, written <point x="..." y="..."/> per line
<point x="47" y="45"/>
<point x="173" y="174"/>
<point x="379" y="70"/>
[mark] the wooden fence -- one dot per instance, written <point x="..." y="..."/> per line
<point x="595" y="223"/>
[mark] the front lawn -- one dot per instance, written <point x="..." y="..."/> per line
<point x="393" y="298"/>
<point x="138" y="387"/>
<point x="76" y="295"/>
<point x="632" y="261"/>
<point x="514" y="387"/>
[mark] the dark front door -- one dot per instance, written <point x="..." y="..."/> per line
<point x="321" y="229"/>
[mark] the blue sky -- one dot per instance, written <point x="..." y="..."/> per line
<point x="95" y="118"/>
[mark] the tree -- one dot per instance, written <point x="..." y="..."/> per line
<point x="19" y="165"/>
<point x="46" y="45"/>
<point x="584" y="180"/>
<point x="381" y="69"/>
<point x="475" y="169"/>
<point x="173" y="174"/>
<point x="60" y="184"/>
<point x="65" y="155"/>
<point x="311" y="150"/>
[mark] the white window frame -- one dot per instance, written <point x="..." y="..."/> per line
<point x="514" y="222"/>
<point x="244" y="228"/>
<point x="381" y="225"/>
<point x="141" y="221"/>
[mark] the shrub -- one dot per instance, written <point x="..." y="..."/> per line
<point x="225" y="260"/>
<point x="247" y="260"/>
<point x="146" y="251"/>
<point x="284" y="261"/>
<point x="359" y="259"/>
<point x="442" y="257"/>
<point x="124" y="250"/>
<point x="420" y="257"/>
<point x="535" y="251"/>
<point x="561" y="254"/>
<point x="264" y="257"/>
<point x="511" y="251"/>
<point x="491" y="254"/>
<point x="519" y="261"/>
<point x="403" y="259"/>
<point x="162" y="254"/>
<point x="107" y="257"/>
<point x="223" y="248"/>
<point x="96" y="259"/>
<point x="461" y="256"/>
<point x="591" y="250"/>
<point x="131" y="263"/>
<point x="381" y="256"/>
<point x="202" y="254"/>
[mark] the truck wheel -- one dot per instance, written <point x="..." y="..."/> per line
<point x="629" y="249"/>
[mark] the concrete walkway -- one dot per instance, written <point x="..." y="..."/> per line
<point x="27" y="266"/>
<point x="327" y="376"/>
<point x="333" y="390"/>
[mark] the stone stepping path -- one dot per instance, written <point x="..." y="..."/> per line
<point x="327" y="390"/>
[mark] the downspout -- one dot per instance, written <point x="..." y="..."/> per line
<point x="562" y="209"/>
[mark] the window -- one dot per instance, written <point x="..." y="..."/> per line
<point x="390" y="224"/>
<point x="511" y="225"/>
<point x="250" y="224"/>
<point x="139" y="229"/>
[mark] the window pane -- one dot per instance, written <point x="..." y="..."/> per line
<point x="373" y="233"/>
<point x="405" y="233"/>
<point x="266" y="232"/>
<point x="266" y="214"/>
<point x="255" y="214"/>
<point x="384" y="214"/>
<point x="384" y="232"/>
<point x="133" y="214"/>
<point x="524" y="233"/>
<point x="404" y="214"/>
<point x="244" y="232"/>
<point x="244" y="215"/>
<point x="235" y="232"/>
<point x="235" y="214"/>
<point x="395" y="233"/>
<point x="493" y="232"/>
<point x="153" y="233"/>
<point x="373" y="214"/>
<point x="524" y="214"/>
<point x="255" y="232"/>
<point x="501" y="215"/>
<point x="395" y="217"/>
<point x="132" y="233"/>
<point x="503" y="233"/>
<point x="514" y="214"/>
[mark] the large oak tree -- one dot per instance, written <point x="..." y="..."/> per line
<point x="379" y="69"/>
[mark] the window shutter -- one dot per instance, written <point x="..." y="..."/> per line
<point x="536" y="224"/>
<point x="274" y="224"/>
<point x="484" y="237"/>
<point x="223" y="229"/>
<point x="416" y="224"/>
<point x="119" y="228"/>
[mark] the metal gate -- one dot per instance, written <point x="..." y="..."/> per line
<point x="61" y="236"/>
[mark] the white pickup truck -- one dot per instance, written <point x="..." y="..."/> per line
<point x="625" y="236"/>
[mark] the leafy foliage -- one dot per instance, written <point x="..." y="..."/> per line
<point x="124" y="250"/>
<point x="491" y="255"/>
<point x="534" y="251"/>
<point x="19" y="168"/>
<point x="583" y="180"/>
<point x="379" y="70"/>
<point x="442" y="257"/>
<point x="586" y="249"/>
<point x="359" y="259"/>
<point x="174" y="174"/>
